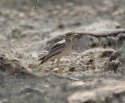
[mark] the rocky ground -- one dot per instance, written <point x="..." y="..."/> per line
<point x="94" y="73"/>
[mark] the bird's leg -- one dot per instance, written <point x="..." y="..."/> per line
<point x="60" y="71"/>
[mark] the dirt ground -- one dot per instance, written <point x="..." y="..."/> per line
<point x="89" y="75"/>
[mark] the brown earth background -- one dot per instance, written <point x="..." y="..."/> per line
<point x="90" y="75"/>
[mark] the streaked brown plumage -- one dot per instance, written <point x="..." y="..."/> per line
<point x="59" y="49"/>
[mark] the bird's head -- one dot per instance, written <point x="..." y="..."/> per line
<point x="70" y="35"/>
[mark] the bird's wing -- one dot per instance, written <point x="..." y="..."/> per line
<point x="53" y="41"/>
<point x="55" y="49"/>
<point x="56" y="39"/>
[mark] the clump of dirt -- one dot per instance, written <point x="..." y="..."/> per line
<point x="99" y="59"/>
<point x="13" y="67"/>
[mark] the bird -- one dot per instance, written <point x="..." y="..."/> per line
<point x="59" y="49"/>
<point x="54" y="40"/>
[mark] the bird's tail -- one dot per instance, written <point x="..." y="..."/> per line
<point x="42" y="60"/>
